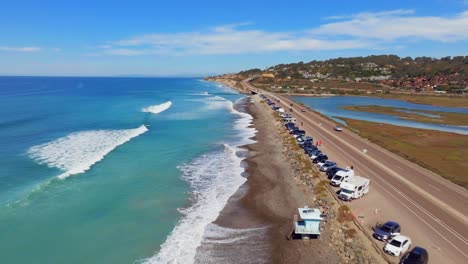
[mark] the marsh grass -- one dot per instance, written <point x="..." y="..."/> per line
<point x="441" y="152"/>
<point x="442" y="118"/>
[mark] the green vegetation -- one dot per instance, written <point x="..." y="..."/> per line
<point x="442" y="152"/>
<point x="379" y="75"/>
<point x="444" y="118"/>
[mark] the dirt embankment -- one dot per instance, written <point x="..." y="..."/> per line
<point x="281" y="179"/>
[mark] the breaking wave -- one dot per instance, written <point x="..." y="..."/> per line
<point x="214" y="177"/>
<point x="79" y="151"/>
<point x="156" y="109"/>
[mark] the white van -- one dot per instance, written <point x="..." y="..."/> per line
<point x="342" y="176"/>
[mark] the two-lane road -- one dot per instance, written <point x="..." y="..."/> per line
<point x="432" y="210"/>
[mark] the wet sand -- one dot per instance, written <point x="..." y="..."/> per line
<point x="263" y="209"/>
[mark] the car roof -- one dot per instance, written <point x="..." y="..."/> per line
<point x="419" y="250"/>
<point x="391" y="224"/>
<point x="400" y="238"/>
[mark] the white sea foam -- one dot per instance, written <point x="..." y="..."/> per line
<point x="202" y="93"/>
<point x="77" y="152"/>
<point x="214" y="178"/>
<point x="156" y="109"/>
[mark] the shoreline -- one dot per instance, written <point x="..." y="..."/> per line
<point x="278" y="184"/>
<point x="270" y="198"/>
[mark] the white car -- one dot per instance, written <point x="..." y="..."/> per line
<point x="398" y="245"/>
<point x="338" y="128"/>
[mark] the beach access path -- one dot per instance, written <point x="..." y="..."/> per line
<point x="431" y="210"/>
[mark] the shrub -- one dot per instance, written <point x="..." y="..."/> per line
<point x="350" y="233"/>
<point x="321" y="187"/>
<point x="344" y="214"/>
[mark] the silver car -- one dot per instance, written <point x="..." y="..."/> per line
<point x="327" y="165"/>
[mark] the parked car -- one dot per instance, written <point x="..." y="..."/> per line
<point x="387" y="231"/>
<point x="327" y="165"/>
<point x="298" y="133"/>
<point x="309" y="148"/>
<point x="303" y="110"/>
<point x="331" y="172"/>
<point x="320" y="163"/>
<point x="398" y="245"/>
<point x="338" y="128"/>
<point x="417" y="255"/>
<point x="320" y="158"/>
<point x="315" y="154"/>
<point x="341" y="176"/>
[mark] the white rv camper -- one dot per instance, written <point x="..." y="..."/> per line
<point x="354" y="188"/>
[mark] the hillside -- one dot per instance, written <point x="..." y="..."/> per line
<point x="372" y="74"/>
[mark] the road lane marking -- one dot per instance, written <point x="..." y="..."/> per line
<point x="405" y="197"/>
<point x="434" y="187"/>
<point x="456" y="234"/>
<point x="398" y="176"/>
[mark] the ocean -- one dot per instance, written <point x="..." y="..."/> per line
<point x="115" y="170"/>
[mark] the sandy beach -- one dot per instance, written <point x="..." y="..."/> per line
<point x="267" y="203"/>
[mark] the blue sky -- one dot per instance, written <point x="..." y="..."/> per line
<point x="107" y="38"/>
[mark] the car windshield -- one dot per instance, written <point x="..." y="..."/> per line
<point x="395" y="243"/>
<point x="385" y="229"/>
<point x="346" y="191"/>
<point x="337" y="178"/>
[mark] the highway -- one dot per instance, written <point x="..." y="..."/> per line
<point x="432" y="211"/>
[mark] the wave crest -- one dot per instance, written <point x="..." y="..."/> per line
<point x="156" y="109"/>
<point x="79" y="151"/>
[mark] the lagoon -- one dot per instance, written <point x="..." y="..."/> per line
<point x="331" y="107"/>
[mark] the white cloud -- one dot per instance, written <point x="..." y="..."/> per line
<point x="367" y="14"/>
<point x="397" y="24"/>
<point x="369" y="30"/>
<point x="20" y="49"/>
<point x="225" y="40"/>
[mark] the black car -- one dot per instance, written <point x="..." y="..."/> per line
<point x="297" y="132"/>
<point x="331" y="172"/>
<point x="290" y="125"/>
<point x="311" y="152"/>
<point x="320" y="158"/>
<point x="417" y="255"/>
<point x="315" y="152"/>
<point x="308" y="148"/>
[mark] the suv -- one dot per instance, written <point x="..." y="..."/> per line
<point x="398" y="245"/>
<point x="387" y="231"/>
<point x="314" y="153"/>
<point x="331" y="172"/>
<point x="327" y="165"/>
<point x="320" y="158"/>
<point x="417" y="255"/>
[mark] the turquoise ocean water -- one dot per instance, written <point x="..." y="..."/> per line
<point x="114" y="170"/>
